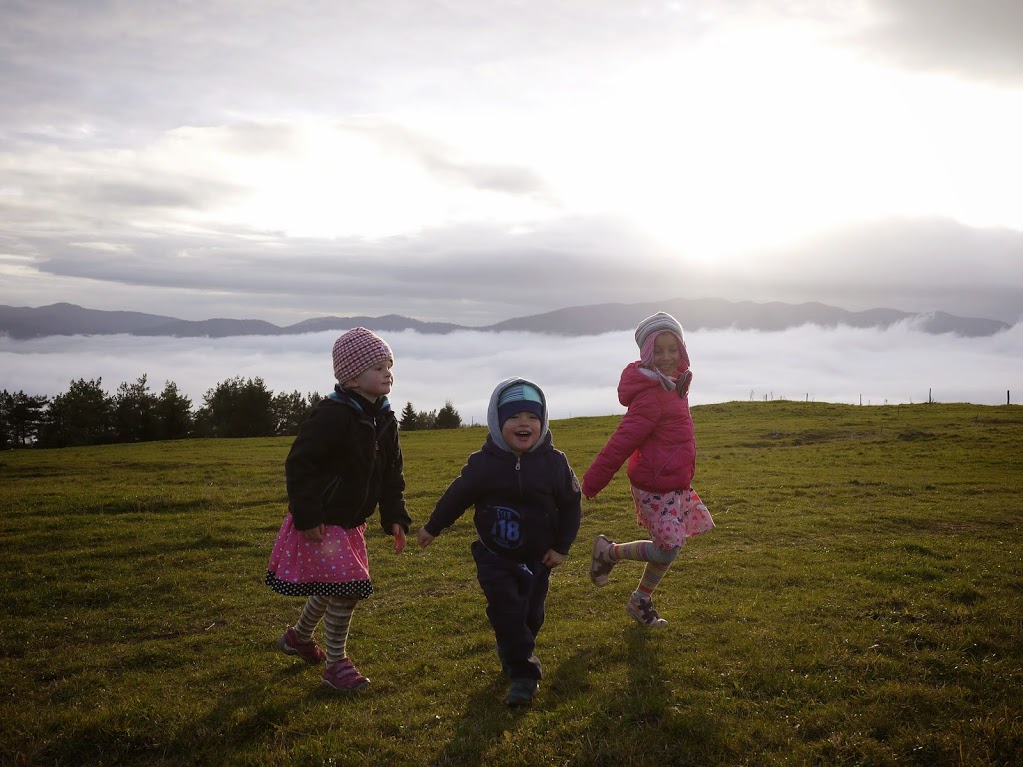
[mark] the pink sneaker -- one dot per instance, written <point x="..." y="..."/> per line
<point x="344" y="676"/>
<point x="309" y="651"/>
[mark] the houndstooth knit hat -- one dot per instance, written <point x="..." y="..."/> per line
<point x="357" y="350"/>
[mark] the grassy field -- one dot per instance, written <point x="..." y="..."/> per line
<point x="860" y="603"/>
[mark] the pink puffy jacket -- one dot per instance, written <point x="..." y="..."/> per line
<point x="656" y="435"/>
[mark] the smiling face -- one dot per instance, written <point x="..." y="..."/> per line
<point x="521" y="432"/>
<point x="667" y="354"/>
<point x="373" y="382"/>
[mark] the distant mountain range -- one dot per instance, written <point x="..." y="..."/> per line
<point x="22" y="322"/>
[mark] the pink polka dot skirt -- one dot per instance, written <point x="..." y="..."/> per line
<point x="337" y="566"/>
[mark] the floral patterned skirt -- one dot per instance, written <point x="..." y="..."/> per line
<point x="671" y="517"/>
<point x="337" y="566"/>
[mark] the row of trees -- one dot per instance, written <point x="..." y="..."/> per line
<point x="237" y="407"/>
<point x="445" y="418"/>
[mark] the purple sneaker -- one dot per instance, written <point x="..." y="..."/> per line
<point x="309" y="651"/>
<point x="344" y="676"/>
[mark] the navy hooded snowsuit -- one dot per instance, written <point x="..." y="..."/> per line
<point x="524" y="505"/>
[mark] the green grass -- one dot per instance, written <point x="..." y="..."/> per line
<point x="860" y="603"/>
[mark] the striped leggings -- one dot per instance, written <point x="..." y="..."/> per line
<point x="336" y="613"/>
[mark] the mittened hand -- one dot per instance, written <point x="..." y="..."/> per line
<point x="682" y="387"/>
<point x="399" y="538"/>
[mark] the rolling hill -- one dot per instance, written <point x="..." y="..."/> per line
<point x="21" y="322"/>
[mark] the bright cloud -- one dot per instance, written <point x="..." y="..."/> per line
<point x="289" y="162"/>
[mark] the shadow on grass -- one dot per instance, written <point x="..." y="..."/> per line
<point x="487" y="721"/>
<point x="670" y="721"/>
<point x="646" y="674"/>
<point x="483" y="724"/>
<point x="235" y="725"/>
<point x="119" y="735"/>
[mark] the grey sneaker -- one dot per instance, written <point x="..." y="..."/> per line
<point x="506" y="666"/>
<point x="521" y="692"/>
<point x="642" y="611"/>
<point x="600" y="561"/>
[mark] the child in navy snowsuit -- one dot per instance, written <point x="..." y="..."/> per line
<point x="528" y="509"/>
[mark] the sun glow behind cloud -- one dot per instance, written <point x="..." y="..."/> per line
<point x="719" y="146"/>
<point x="746" y="142"/>
<point x="774" y="138"/>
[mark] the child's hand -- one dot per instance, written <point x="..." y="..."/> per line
<point x="399" y="538"/>
<point x="314" y="534"/>
<point x="553" y="558"/>
<point x="425" y="539"/>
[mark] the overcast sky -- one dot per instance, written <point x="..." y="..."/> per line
<point x="474" y="161"/>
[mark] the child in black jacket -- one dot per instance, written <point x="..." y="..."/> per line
<point x="528" y="509"/>
<point x="345" y="461"/>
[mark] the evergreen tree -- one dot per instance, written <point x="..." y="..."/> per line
<point x="6" y="409"/>
<point x="427" y="420"/>
<point x="202" y="423"/>
<point x="289" y="412"/>
<point x="80" y="416"/>
<point x="238" y="408"/>
<point x="21" y="417"/>
<point x="448" y="417"/>
<point x="409" y="418"/>
<point x="134" y="412"/>
<point x="173" y="413"/>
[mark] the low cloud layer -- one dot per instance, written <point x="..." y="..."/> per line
<point x="579" y="375"/>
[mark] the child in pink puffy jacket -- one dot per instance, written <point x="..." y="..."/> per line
<point x="656" y="437"/>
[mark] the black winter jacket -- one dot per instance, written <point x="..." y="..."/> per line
<point x="525" y="504"/>
<point x="345" y="460"/>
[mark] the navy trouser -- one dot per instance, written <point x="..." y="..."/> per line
<point x="515" y="606"/>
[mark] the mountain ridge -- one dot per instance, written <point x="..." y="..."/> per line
<point x="64" y="319"/>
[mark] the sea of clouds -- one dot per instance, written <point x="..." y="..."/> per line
<point x="578" y="374"/>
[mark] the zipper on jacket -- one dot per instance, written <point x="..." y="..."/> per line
<point x="371" y="421"/>
<point x="372" y="461"/>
